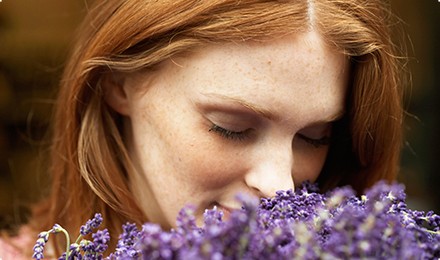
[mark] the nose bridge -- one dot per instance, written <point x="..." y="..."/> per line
<point x="272" y="170"/>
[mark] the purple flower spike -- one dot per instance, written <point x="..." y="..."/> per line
<point x="100" y="240"/>
<point x="91" y="224"/>
<point x="38" y="249"/>
<point x="87" y="246"/>
<point x="186" y="220"/>
<point x="125" y="247"/>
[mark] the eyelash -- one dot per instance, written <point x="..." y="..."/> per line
<point x="228" y="134"/>
<point x="317" y="143"/>
<point x="241" y="135"/>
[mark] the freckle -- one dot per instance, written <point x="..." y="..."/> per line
<point x="269" y="63"/>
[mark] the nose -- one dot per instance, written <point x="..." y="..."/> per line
<point x="271" y="172"/>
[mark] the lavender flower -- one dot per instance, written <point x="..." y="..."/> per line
<point x="303" y="224"/>
<point x="125" y="247"/>
<point x="91" y="250"/>
<point x="100" y="240"/>
<point x="91" y="224"/>
<point x="38" y="249"/>
<point x="43" y="237"/>
<point x="306" y="225"/>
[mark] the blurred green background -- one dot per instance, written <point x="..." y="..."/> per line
<point x="35" y="36"/>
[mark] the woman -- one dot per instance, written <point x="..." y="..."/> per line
<point x="168" y="103"/>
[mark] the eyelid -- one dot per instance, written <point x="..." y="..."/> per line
<point x="231" y="121"/>
<point x="235" y="120"/>
<point x="317" y="131"/>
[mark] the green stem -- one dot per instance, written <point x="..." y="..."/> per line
<point x="78" y="239"/>
<point x="67" y="241"/>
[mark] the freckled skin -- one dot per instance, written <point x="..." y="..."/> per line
<point x="180" y="161"/>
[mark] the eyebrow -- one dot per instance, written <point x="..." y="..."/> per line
<point x="253" y="107"/>
<point x="265" y="112"/>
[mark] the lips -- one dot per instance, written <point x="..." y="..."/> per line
<point x="226" y="210"/>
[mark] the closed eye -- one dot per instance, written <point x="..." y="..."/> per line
<point x="229" y="134"/>
<point x="317" y="143"/>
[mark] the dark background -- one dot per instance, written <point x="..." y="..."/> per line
<point x="35" y="36"/>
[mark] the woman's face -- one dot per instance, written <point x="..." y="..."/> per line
<point x="233" y="118"/>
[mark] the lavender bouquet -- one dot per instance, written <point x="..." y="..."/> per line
<point x="292" y="225"/>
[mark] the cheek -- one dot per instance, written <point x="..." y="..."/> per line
<point x="212" y="165"/>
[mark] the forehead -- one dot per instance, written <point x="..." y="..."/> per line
<point x="290" y="76"/>
<point x="292" y="54"/>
